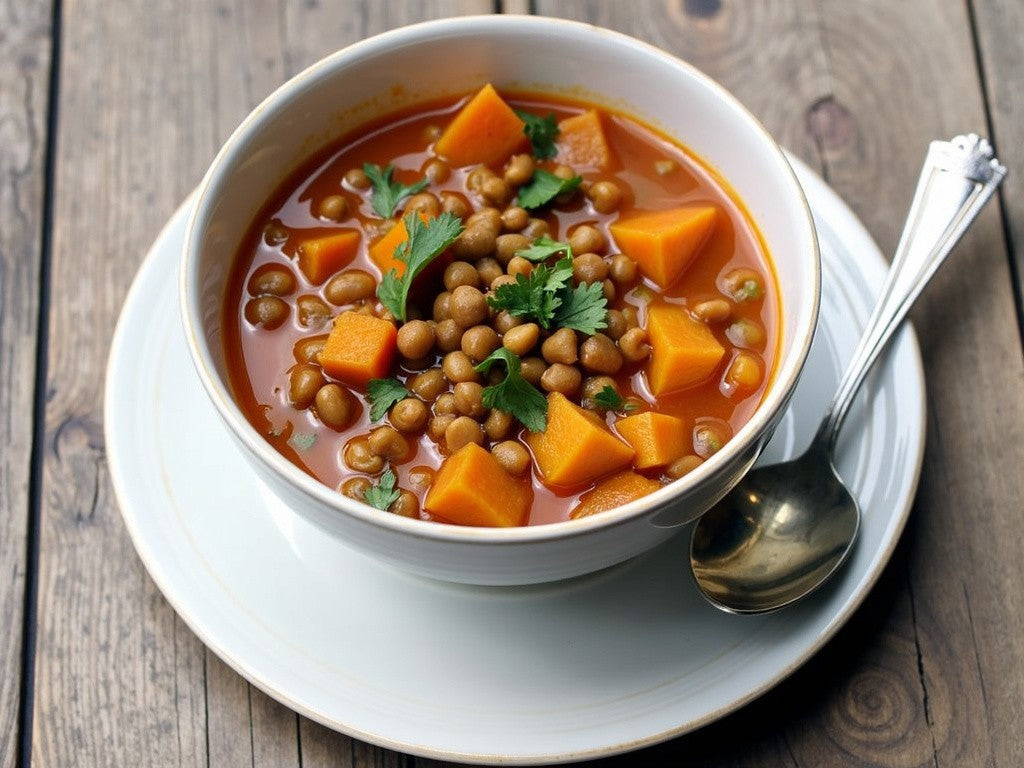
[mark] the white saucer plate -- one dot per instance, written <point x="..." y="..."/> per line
<point x="587" y="668"/>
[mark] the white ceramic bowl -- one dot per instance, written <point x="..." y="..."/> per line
<point x="454" y="56"/>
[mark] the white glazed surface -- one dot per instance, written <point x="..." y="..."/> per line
<point x="579" y="669"/>
<point x="357" y="83"/>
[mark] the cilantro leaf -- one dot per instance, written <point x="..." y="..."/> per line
<point x="542" y="132"/>
<point x="547" y="296"/>
<point x="426" y="241"/>
<point x="545" y="187"/>
<point x="583" y="308"/>
<point x="611" y="400"/>
<point x="544" y="248"/>
<point x="388" y="193"/>
<point x="384" y="393"/>
<point x="536" y="296"/>
<point x="383" y="494"/>
<point x="560" y="274"/>
<point x="514" y="394"/>
<point x="302" y="441"/>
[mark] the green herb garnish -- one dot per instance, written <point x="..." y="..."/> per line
<point x="388" y="193"/>
<point x="302" y="441"/>
<point x="542" y="132"/>
<point x="547" y="296"/>
<point x="383" y="494"/>
<point x="515" y="394"/>
<point x="611" y="400"/>
<point x="545" y="187"/>
<point x="536" y="296"/>
<point x="426" y="241"/>
<point x="583" y="308"/>
<point x="543" y="248"/>
<point x="384" y="393"/>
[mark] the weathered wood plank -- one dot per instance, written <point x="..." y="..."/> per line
<point x="120" y="680"/>
<point x="999" y="25"/>
<point x="25" y="38"/>
<point x="324" y="748"/>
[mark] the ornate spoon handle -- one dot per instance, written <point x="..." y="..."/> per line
<point x="958" y="178"/>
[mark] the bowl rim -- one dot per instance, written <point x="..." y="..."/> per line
<point x="774" y="400"/>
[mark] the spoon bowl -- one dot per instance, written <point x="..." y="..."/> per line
<point x="763" y="547"/>
<point x="786" y="528"/>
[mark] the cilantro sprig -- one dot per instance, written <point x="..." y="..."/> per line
<point x="542" y="132"/>
<point x="383" y="494"/>
<point x="426" y="241"/>
<point x="384" y="393"/>
<point x="547" y="296"/>
<point x="544" y="187"/>
<point x="388" y="193"/>
<point x="543" y="248"/>
<point x="611" y="400"/>
<point x="514" y="394"/>
<point x="583" y="308"/>
<point x="535" y="296"/>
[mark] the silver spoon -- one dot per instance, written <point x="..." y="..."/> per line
<point x="785" y="529"/>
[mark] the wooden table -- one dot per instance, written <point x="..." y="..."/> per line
<point x="109" y="112"/>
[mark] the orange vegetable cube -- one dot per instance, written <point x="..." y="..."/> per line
<point x="664" y="243"/>
<point x="581" y="141"/>
<point x="684" y="352"/>
<point x="359" y="348"/>
<point x="321" y="257"/>
<point x="486" y="130"/>
<point x="614" y="492"/>
<point x="577" y="446"/>
<point x="657" y="438"/>
<point x="472" y="488"/>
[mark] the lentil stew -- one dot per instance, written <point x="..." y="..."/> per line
<point x="502" y="309"/>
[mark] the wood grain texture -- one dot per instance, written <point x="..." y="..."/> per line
<point x="24" y="80"/>
<point x="999" y="25"/>
<point x="988" y="600"/>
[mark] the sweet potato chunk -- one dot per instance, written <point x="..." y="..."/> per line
<point x="471" y="488"/>
<point x="616" y="490"/>
<point x="581" y="141"/>
<point x="577" y="446"/>
<point x="657" y="438"/>
<point x="683" y="351"/>
<point x="664" y="243"/>
<point x="359" y="348"/>
<point x="485" y="131"/>
<point x="321" y="257"/>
